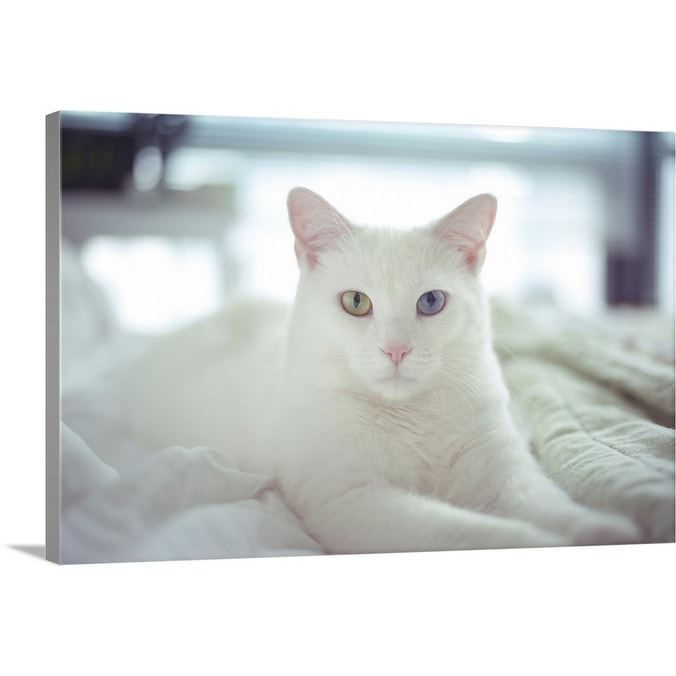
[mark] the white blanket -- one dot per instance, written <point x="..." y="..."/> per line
<point x="599" y="411"/>
<point x="600" y="415"/>
<point x="119" y="502"/>
<point x="178" y="504"/>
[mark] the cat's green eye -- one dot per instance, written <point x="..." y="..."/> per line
<point x="356" y="303"/>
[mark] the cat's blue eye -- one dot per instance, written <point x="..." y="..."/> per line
<point x="431" y="302"/>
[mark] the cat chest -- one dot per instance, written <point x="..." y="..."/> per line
<point x="409" y="455"/>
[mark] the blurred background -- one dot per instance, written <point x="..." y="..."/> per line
<point x="173" y="215"/>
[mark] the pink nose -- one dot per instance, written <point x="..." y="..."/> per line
<point x="396" y="353"/>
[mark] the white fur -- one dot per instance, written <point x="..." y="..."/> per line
<point x="371" y="455"/>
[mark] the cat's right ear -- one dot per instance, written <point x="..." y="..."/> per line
<point x="316" y="225"/>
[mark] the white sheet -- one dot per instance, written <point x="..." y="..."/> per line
<point x="122" y="503"/>
<point x="177" y="504"/>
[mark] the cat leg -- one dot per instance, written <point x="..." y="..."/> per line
<point x="377" y="517"/>
<point x="529" y="494"/>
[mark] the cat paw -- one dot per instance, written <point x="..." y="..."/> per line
<point x="607" y="530"/>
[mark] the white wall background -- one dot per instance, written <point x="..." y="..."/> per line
<point x="592" y="610"/>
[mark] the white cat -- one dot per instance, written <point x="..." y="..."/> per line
<point x="378" y="404"/>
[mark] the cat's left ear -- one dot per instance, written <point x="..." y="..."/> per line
<point x="467" y="227"/>
<point x="316" y="225"/>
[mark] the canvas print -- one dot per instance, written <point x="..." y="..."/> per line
<point x="272" y="337"/>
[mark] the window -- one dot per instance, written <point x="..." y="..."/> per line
<point x="189" y="212"/>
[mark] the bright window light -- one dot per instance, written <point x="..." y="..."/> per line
<point x="154" y="284"/>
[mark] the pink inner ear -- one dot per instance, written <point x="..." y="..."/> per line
<point x="467" y="227"/>
<point x="316" y="225"/>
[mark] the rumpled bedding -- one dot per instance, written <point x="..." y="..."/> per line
<point x="596" y="401"/>
<point x="119" y="501"/>
<point x="179" y="504"/>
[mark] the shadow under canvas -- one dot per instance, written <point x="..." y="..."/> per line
<point x="33" y="550"/>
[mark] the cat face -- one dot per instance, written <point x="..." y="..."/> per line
<point x="385" y="310"/>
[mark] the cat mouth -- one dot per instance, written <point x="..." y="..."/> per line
<point x="396" y="379"/>
<point x="396" y="386"/>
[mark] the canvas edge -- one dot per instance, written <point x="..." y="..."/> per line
<point x="53" y="338"/>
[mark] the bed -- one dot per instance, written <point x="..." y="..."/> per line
<point x="596" y="397"/>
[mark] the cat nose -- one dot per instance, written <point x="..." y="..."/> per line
<point x="396" y="352"/>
